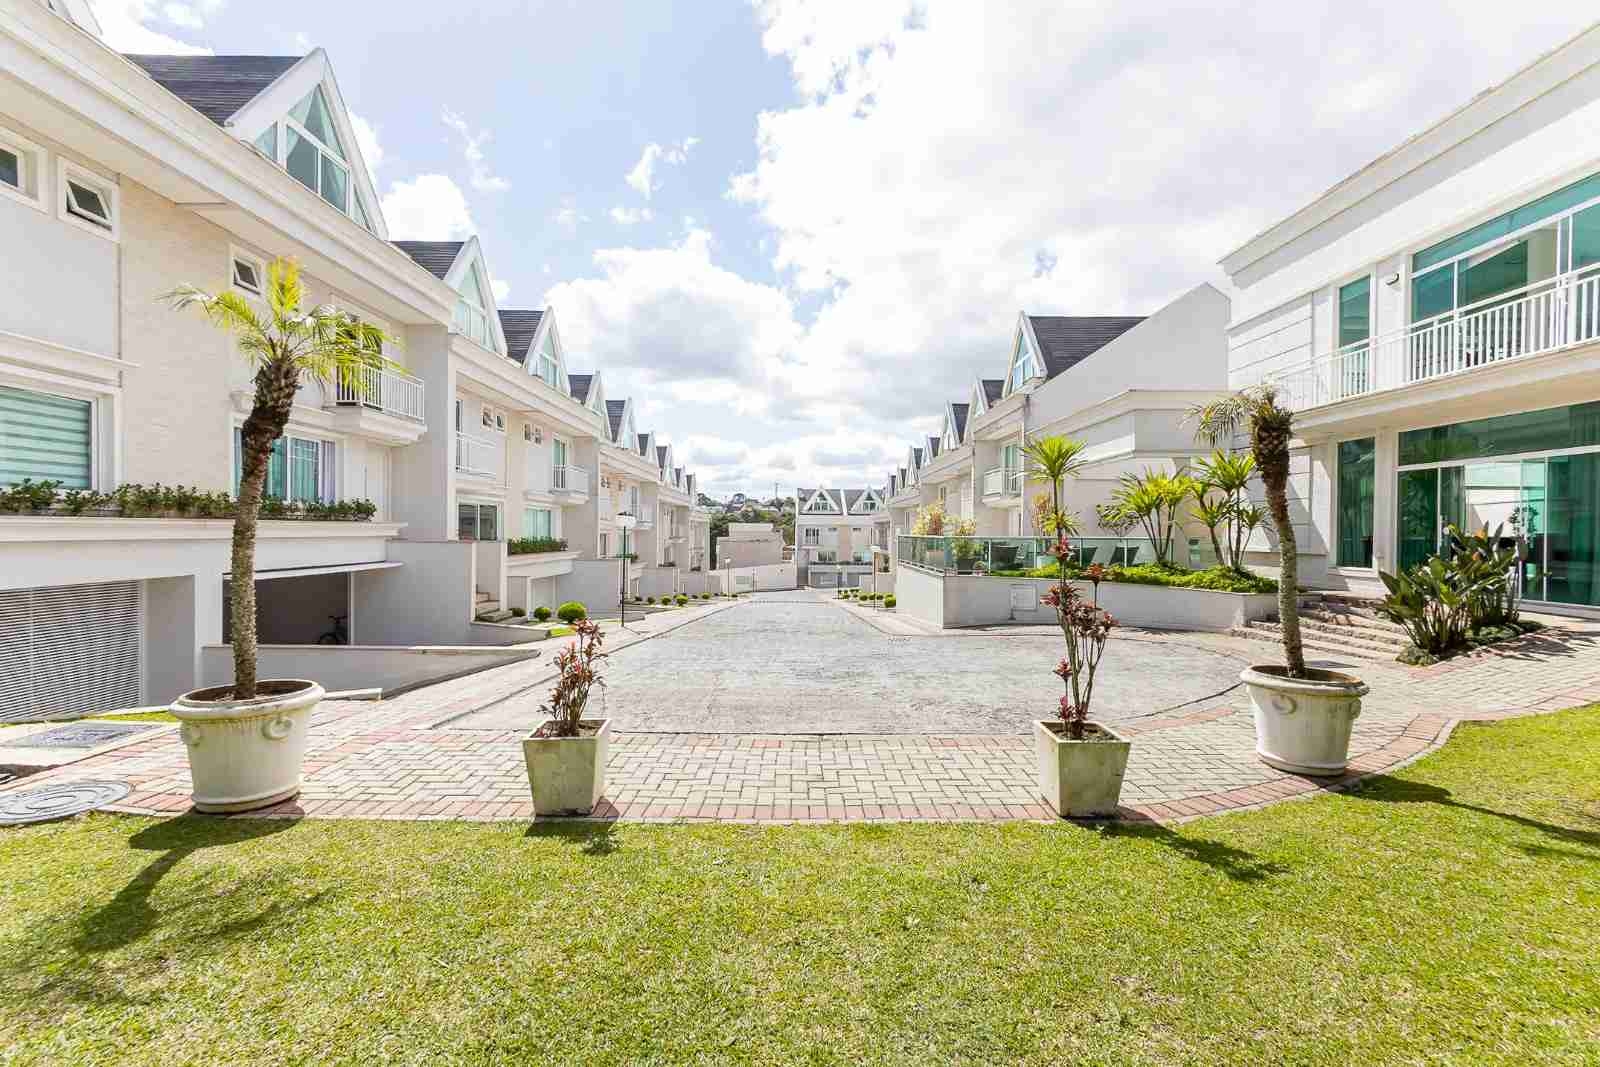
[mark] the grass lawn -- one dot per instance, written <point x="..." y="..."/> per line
<point x="1447" y="915"/>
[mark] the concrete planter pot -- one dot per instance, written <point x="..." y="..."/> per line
<point x="1081" y="779"/>
<point x="1303" y="724"/>
<point x="247" y="754"/>
<point x="567" y="774"/>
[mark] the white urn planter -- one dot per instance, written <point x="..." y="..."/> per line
<point x="567" y="774"/>
<point x="1303" y="724"/>
<point x="1081" y="779"/>
<point x="246" y="754"/>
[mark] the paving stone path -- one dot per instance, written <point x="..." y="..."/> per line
<point x="450" y="751"/>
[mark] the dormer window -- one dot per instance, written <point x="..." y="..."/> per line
<point x="820" y="502"/>
<point x="548" y="369"/>
<point x="472" y="309"/>
<point x="309" y="148"/>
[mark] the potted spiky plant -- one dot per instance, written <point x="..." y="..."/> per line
<point x="246" y="740"/>
<point x="1303" y="715"/>
<point x="566" y="755"/>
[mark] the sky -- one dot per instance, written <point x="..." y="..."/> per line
<point x="793" y="230"/>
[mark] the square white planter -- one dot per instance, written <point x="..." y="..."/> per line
<point x="1081" y="779"/>
<point x="567" y="774"/>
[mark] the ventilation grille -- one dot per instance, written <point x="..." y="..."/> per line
<point x="70" y="651"/>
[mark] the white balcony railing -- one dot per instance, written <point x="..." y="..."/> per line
<point x="474" y="455"/>
<point x="393" y="392"/>
<point x="1002" y="481"/>
<point x="569" y="480"/>
<point x="1544" y="317"/>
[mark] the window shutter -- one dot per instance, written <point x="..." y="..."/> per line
<point x="69" y="651"/>
<point x="44" y="437"/>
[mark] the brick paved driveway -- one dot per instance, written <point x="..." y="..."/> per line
<point x="792" y="663"/>
<point x="393" y="760"/>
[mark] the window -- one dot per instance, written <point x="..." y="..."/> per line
<point x="45" y="437"/>
<point x="88" y="201"/>
<point x="548" y="369"/>
<point x="248" y="273"/>
<point x="812" y="535"/>
<point x="1011" y="457"/>
<point x="820" y="502"/>
<point x="605" y="545"/>
<point x="472" y="314"/>
<point x="558" y="449"/>
<point x="1357" y="478"/>
<point x="299" y="469"/>
<point x="537" y="522"/>
<point x="313" y="153"/>
<point x="478" y="522"/>
<point x="1023" y="366"/>
<point x="1355" y="311"/>
<point x="21" y="167"/>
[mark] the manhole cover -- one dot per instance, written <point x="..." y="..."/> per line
<point x="58" y="801"/>
<point x="80" y="735"/>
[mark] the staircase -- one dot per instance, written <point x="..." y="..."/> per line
<point x="1335" y="625"/>
<point x="487" y="609"/>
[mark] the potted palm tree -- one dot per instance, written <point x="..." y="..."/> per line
<point x="1303" y="715"/>
<point x="246" y="741"/>
<point x="566" y="755"/>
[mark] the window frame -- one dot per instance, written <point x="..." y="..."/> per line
<point x="68" y="174"/>
<point x="30" y="170"/>
<point x="329" y="453"/>
<point x="100" y="475"/>
<point x="236" y="256"/>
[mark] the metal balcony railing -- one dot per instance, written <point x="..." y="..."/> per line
<point x="393" y="392"/>
<point x="1543" y="317"/>
<point x="474" y="455"/>
<point x="569" y="479"/>
<point x="1002" y="481"/>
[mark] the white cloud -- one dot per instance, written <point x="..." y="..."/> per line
<point x="429" y="207"/>
<point x="367" y="141"/>
<point x="501" y="289"/>
<point x="627" y="216"/>
<point x="129" y="25"/>
<point x="569" y="216"/>
<point x="482" y="178"/>
<point x="642" y="176"/>
<point x="1091" y="158"/>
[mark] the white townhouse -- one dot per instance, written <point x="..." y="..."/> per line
<point x="1123" y="385"/>
<point x="835" y="531"/>
<point x="122" y="177"/>
<point x="1434" y="319"/>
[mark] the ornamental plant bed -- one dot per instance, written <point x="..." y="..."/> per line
<point x="566" y="755"/>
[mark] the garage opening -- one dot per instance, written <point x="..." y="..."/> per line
<point x="69" y="651"/>
<point x="307" y="609"/>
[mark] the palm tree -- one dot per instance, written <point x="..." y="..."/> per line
<point x="284" y="345"/>
<point x="1229" y="473"/>
<point x="1054" y="459"/>
<point x="1256" y="410"/>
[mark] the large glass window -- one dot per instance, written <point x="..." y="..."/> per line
<point x="1419" y="516"/>
<point x="1573" y="426"/>
<point x="45" y="438"/>
<point x="1504" y="225"/>
<point x="549" y="370"/>
<point x="472" y="315"/>
<point x="1357" y="477"/>
<point x="1355" y="312"/>
<point x="537" y="522"/>
<point x="1023" y="366"/>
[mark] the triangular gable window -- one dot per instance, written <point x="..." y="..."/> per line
<point x="312" y="113"/>
<point x="472" y="310"/>
<point x="820" y="502"/>
<point x="1024" y="364"/>
<point x="548" y="368"/>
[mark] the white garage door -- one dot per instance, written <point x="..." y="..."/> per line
<point x="71" y="650"/>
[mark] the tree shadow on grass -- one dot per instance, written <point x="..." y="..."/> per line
<point x="93" y="965"/>
<point x="1387" y="790"/>
<point x="1238" y="864"/>
<point x="594" y="838"/>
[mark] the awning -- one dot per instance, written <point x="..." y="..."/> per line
<point x="337" y="568"/>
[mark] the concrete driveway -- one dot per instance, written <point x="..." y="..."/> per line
<point x="786" y="663"/>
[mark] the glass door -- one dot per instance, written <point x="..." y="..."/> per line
<point x="1419" y="516"/>
<point x="1570" y="533"/>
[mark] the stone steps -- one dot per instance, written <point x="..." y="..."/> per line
<point x="1314" y="644"/>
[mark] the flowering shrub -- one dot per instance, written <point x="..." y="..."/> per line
<point x="579" y="672"/>
<point x="1086" y="629"/>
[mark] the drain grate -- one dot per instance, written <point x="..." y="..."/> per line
<point x="59" y="801"/>
<point x="81" y="735"/>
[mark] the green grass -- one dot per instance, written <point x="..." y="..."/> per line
<point x="148" y="715"/>
<point x="1445" y="915"/>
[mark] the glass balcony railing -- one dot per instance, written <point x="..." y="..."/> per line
<point x="1014" y="555"/>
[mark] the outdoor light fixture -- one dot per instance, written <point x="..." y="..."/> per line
<point x="1392" y="279"/>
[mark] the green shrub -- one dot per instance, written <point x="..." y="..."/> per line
<point x="889" y="601"/>
<point x="649" y="600"/>
<point x="705" y="596"/>
<point x="680" y="600"/>
<point x="519" y="613"/>
<point x="572" y="611"/>
<point x="523" y="546"/>
<point x="541" y="613"/>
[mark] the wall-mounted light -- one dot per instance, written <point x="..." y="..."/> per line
<point x="1392" y="279"/>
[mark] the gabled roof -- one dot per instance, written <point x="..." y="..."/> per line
<point x="993" y="390"/>
<point x="436" y="257"/>
<point x="916" y="454"/>
<point x="933" y="448"/>
<point x="642" y="441"/>
<point x="851" y="496"/>
<point x="520" y="328"/>
<point x="579" y="384"/>
<point x="661" y="456"/>
<point x="1066" y="340"/>
<point x="614" y="413"/>
<point x="215" y="86"/>
<point x="959" y="413"/>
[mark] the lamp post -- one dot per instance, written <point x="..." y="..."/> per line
<point x="625" y="522"/>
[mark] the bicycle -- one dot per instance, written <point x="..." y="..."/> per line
<point x="338" y="635"/>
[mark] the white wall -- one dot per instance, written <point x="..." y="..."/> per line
<point x="346" y="667"/>
<point x="426" y="601"/>
<point x="594" y="583"/>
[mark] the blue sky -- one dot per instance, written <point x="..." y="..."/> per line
<point x="793" y="230"/>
